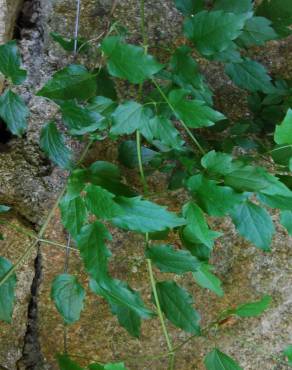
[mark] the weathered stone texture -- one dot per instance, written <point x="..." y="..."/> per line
<point x="30" y="184"/>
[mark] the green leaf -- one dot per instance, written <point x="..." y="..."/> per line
<point x="68" y="43"/>
<point x="288" y="353"/>
<point x="213" y="198"/>
<point x="230" y="55"/>
<point x="250" y="75"/>
<point x="283" y="132"/>
<point x="276" y="195"/>
<point x="52" y="143"/>
<point x="74" y="214"/>
<point x="7" y="291"/>
<point x="197" y="229"/>
<point x="213" y="32"/>
<point x="257" y="30"/>
<point x="129" y="117"/>
<point x="286" y="220"/>
<point x="103" y="174"/>
<point x="234" y="6"/>
<point x="217" y="360"/>
<point x="105" y="85"/>
<point x="118" y="293"/>
<point x="128" y="319"/>
<point x="72" y="82"/>
<point x="282" y="155"/>
<point x="248" y="178"/>
<point x="80" y="120"/>
<point x="3" y="208"/>
<point x="194" y="113"/>
<point x="100" y="202"/>
<point x="185" y="73"/>
<point x="93" y="251"/>
<point x="144" y="216"/>
<point x="168" y="259"/>
<point x="253" y="309"/>
<point x="279" y="12"/>
<point x="14" y="112"/>
<point x="177" y="305"/>
<point x="95" y="367"/>
<point x="254" y="223"/>
<point x="68" y="295"/>
<point x="65" y="363"/>
<point x="162" y="129"/>
<point x="206" y="279"/>
<point x="216" y="162"/>
<point x="189" y="7"/>
<point x="128" y="61"/>
<point x="10" y="63"/>
<point x="102" y="105"/>
<point x="116" y="366"/>
<point x="128" y="154"/>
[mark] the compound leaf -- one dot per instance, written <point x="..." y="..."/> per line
<point x="68" y="295"/>
<point x="128" y="61"/>
<point x="14" y="112"/>
<point x="177" y="305"/>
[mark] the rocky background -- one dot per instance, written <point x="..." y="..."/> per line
<point x="30" y="184"/>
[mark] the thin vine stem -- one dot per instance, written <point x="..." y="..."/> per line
<point x="140" y="163"/>
<point x="170" y="354"/>
<point x="196" y="142"/>
<point x="39" y="236"/>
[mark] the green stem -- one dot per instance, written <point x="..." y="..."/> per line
<point x="39" y="236"/>
<point x="182" y="122"/>
<point x="159" y="312"/>
<point x="18" y="229"/>
<point x="140" y="163"/>
<point x="51" y="242"/>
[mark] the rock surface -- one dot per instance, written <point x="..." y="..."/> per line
<point x="30" y="184"/>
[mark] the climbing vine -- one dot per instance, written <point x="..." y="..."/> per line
<point x="173" y="127"/>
